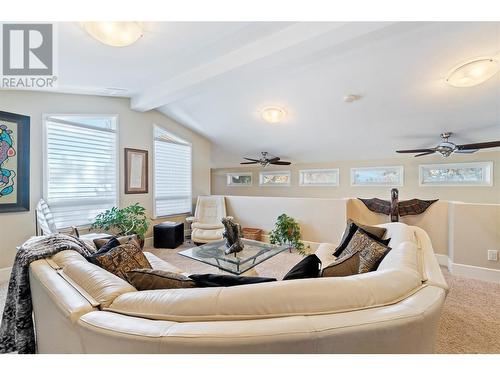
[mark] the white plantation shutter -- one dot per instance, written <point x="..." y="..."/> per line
<point x="80" y="168"/>
<point x="172" y="174"/>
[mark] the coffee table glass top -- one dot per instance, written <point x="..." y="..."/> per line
<point x="254" y="252"/>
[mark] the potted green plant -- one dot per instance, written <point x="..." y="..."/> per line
<point x="287" y="232"/>
<point x="124" y="221"/>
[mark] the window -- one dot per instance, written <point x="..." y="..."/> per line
<point x="457" y="174"/>
<point x="239" y="179"/>
<point x="273" y="178"/>
<point x="377" y="176"/>
<point x="172" y="158"/>
<point x="319" y="177"/>
<point x="80" y="167"/>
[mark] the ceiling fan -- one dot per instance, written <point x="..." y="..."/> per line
<point x="446" y="148"/>
<point x="265" y="160"/>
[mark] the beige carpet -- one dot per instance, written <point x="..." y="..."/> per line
<point x="470" y="319"/>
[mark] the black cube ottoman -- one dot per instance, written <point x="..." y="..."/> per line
<point x="168" y="235"/>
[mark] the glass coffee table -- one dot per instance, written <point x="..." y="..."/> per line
<point x="254" y="253"/>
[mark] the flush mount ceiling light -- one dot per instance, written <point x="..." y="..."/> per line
<point x="116" y="34"/>
<point x="273" y="114"/>
<point x="473" y="72"/>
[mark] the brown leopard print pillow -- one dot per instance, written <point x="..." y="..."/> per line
<point x="122" y="259"/>
<point x="371" y="252"/>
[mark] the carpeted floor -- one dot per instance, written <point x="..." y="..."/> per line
<point x="469" y="322"/>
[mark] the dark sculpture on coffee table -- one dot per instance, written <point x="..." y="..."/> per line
<point x="395" y="208"/>
<point x="232" y="234"/>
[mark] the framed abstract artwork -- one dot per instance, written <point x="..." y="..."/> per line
<point x="239" y="179"/>
<point x="14" y="162"/>
<point x="319" y="177"/>
<point x="456" y="174"/>
<point x="136" y="171"/>
<point x="377" y="176"/>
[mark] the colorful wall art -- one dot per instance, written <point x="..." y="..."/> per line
<point x="14" y="162"/>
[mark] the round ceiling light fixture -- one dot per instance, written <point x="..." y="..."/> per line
<point x="273" y="114"/>
<point x="473" y="72"/>
<point x="116" y="34"/>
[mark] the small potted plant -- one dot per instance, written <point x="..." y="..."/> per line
<point x="124" y="221"/>
<point x="287" y="232"/>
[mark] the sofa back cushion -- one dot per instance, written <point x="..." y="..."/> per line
<point x="98" y="283"/>
<point x="323" y="295"/>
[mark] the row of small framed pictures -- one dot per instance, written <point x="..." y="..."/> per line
<point x="457" y="174"/>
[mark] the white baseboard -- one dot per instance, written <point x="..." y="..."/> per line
<point x="442" y="259"/>
<point x="465" y="270"/>
<point x="5" y="274"/>
<point x="474" y="272"/>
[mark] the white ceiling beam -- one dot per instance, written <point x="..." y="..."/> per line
<point x="186" y="83"/>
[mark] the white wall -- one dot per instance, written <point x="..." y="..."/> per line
<point x="411" y="188"/>
<point x="135" y="131"/>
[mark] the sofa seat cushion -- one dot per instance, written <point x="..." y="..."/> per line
<point x="323" y="295"/>
<point x="98" y="283"/>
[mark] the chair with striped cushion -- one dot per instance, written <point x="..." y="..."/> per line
<point x="45" y="224"/>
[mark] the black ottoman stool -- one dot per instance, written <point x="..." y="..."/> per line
<point x="168" y="235"/>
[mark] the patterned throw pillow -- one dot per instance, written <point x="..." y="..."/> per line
<point x="375" y="233"/>
<point x="371" y="251"/>
<point x="100" y="242"/>
<point x="122" y="259"/>
<point x="147" y="279"/>
<point x="345" y="266"/>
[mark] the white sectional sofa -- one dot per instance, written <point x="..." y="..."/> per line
<point x="81" y="308"/>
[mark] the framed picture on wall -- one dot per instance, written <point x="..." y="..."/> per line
<point x="377" y="176"/>
<point x="456" y="174"/>
<point x="14" y="162"/>
<point x="136" y="171"/>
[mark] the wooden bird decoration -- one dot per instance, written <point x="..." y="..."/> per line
<point x="394" y="208"/>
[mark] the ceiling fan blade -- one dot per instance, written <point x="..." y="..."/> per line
<point x="280" y="163"/>
<point x="425" y="153"/>
<point x="272" y="160"/>
<point x="416" y="150"/>
<point x="249" y="162"/>
<point x="471" y="151"/>
<point x="256" y="160"/>
<point x="477" y="146"/>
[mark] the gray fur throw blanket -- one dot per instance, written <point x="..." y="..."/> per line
<point x="17" y="329"/>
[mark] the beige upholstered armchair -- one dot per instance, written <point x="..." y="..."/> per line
<point x="206" y="225"/>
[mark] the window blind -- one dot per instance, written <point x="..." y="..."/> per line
<point x="80" y="168"/>
<point x="172" y="174"/>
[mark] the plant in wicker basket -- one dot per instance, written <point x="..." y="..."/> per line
<point x="287" y="232"/>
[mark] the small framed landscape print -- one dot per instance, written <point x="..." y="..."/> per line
<point x="136" y="171"/>
<point x="377" y="176"/>
<point x="239" y="179"/>
<point x="456" y="174"/>
<point x="319" y="177"/>
<point x="14" y="162"/>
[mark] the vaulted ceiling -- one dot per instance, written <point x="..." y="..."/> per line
<point x="215" y="78"/>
